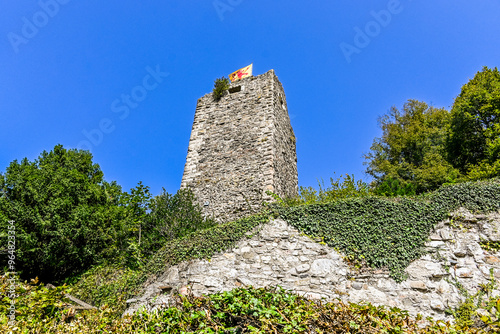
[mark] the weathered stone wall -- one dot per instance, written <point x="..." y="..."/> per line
<point x="240" y="147"/>
<point x="285" y="180"/>
<point x="279" y="255"/>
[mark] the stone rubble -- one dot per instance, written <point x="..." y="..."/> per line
<point x="279" y="255"/>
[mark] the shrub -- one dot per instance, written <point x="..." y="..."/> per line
<point x="220" y="86"/>
<point x="484" y="170"/>
<point x="109" y="285"/>
<point x="64" y="213"/>
<point x="394" y="187"/>
<point x="340" y="188"/>
<point x="252" y="310"/>
<point x="172" y="217"/>
<point x="67" y="218"/>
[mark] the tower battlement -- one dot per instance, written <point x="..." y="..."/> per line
<point x="240" y="147"/>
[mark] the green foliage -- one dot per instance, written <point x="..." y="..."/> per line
<point x="67" y="218"/>
<point x="383" y="233"/>
<point x="32" y="301"/>
<point x="109" y="285"/>
<point x="128" y="246"/>
<point x="479" y="310"/>
<point x="173" y="217"/>
<point x="491" y="246"/>
<point x="480" y="196"/>
<point x="40" y="309"/>
<point x="220" y="86"/>
<point x="484" y="170"/>
<point x="428" y="147"/>
<point x="269" y="310"/>
<point x="64" y="213"/>
<point x="412" y="148"/>
<point x="152" y="222"/>
<point x="340" y="188"/>
<point x="386" y="233"/>
<point x="474" y="136"/>
<point x="244" y="310"/>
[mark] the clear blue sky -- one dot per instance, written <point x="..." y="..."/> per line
<point x="67" y="68"/>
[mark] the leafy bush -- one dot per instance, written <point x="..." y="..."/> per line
<point x="64" y="213"/>
<point x="127" y="247"/>
<point x="340" y="188"/>
<point x="39" y="309"/>
<point x="484" y="170"/>
<point x="394" y="187"/>
<point x="67" y="218"/>
<point x="388" y="233"/>
<point x="428" y="146"/>
<point x="220" y="86"/>
<point x="480" y="196"/>
<point x="172" y="217"/>
<point x="152" y="222"/>
<point x="109" y="285"/>
<point x="32" y="301"/>
<point x="243" y="310"/>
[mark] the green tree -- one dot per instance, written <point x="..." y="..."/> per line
<point x="137" y="204"/>
<point x="65" y="214"/>
<point x="412" y="148"/>
<point x="473" y="143"/>
<point x="171" y="217"/>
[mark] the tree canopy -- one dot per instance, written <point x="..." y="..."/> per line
<point x="423" y="147"/>
<point x="64" y="212"/>
<point x="411" y="149"/>
<point x="474" y="139"/>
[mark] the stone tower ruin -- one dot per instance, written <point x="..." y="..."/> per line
<point x="240" y="147"/>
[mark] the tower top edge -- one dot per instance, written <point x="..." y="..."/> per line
<point x="271" y="73"/>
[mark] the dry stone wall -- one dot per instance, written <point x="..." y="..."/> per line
<point x="241" y="146"/>
<point x="278" y="254"/>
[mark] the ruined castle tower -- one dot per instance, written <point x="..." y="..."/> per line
<point x="240" y="147"/>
